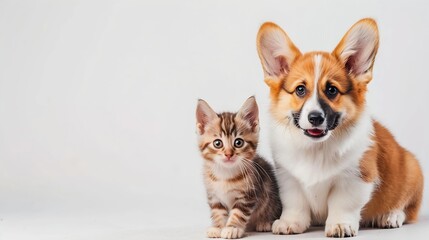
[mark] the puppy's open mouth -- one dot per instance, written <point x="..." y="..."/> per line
<point x="315" y="132"/>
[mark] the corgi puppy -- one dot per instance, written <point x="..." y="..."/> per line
<point x="335" y="164"/>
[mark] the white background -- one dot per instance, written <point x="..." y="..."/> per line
<point x="97" y="104"/>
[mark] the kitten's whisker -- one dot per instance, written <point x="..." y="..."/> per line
<point x="249" y="176"/>
<point x="260" y="167"/>
<point x="251" y="171"/>
<point x="245" y="177"/>
<point x="252" y="168"/>
<point x="260" y="177"/>
<point x="249" y="180"/>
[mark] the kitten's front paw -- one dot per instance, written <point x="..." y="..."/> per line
<point x="232" y="232"/>
<point x="281" y="226"/>
<point x="263" y="227"/>
<point x="213" y="232"/>
<point x="340" y="230"/>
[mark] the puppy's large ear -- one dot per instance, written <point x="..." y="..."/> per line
<point x="205" y="114"/>
<point x="276" y="51"/>
<point x="250" y="113"/>
<point x="358" y="48"/>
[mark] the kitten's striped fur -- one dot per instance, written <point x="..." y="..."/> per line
<point x="241" y="187"/>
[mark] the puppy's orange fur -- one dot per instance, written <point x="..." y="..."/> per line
<point x="401" y="179"/>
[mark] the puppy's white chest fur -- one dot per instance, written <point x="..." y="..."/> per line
<point x="317" y="167"/>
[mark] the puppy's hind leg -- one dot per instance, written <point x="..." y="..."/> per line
<point x="393" y="219"/>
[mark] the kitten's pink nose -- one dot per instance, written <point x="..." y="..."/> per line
<point x="229" y="156"/>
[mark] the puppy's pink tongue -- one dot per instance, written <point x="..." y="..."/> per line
<point x="315" y="132"/>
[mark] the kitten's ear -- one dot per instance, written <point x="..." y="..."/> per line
<point x="249" y="112"/>
<point x="276" y="51"/>
<point x="357" y="49"/>
<point x="205" y="114"/>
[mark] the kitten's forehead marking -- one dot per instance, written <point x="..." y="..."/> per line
<point x="227" y="124"/>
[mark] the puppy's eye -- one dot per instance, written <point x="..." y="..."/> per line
<point x="217" y="143"/>
<point x="331" y="92"/>
<point x="300" y="91"/>
<point x="238" y="143"/>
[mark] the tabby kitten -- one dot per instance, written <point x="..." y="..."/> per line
<point x="241" y="187"/>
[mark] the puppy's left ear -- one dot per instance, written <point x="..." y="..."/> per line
<point x="250" y="113"/>
<point x="357" y="49"/>
<point x="276" y="51"/>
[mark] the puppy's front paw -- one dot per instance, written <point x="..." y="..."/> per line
<point x="232" y="232"/>
<point x="213" y="232"/>
<point x="340" y="230"/>
<point x="281" y="226"/>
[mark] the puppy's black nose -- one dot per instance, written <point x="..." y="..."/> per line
<point x="316" y="118"/>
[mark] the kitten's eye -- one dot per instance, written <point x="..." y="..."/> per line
<point x="238" y="143"/>
<point x="300" y="91"/>
<point x="217" y="143"/>
<point x="331" y="91"/>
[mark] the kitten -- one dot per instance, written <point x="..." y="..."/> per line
<point x="241" y="187"/>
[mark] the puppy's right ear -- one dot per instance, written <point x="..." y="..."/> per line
<point x="276" y="51"/>
<point x="357" y="50"/>
<point x="205" y="114"/>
